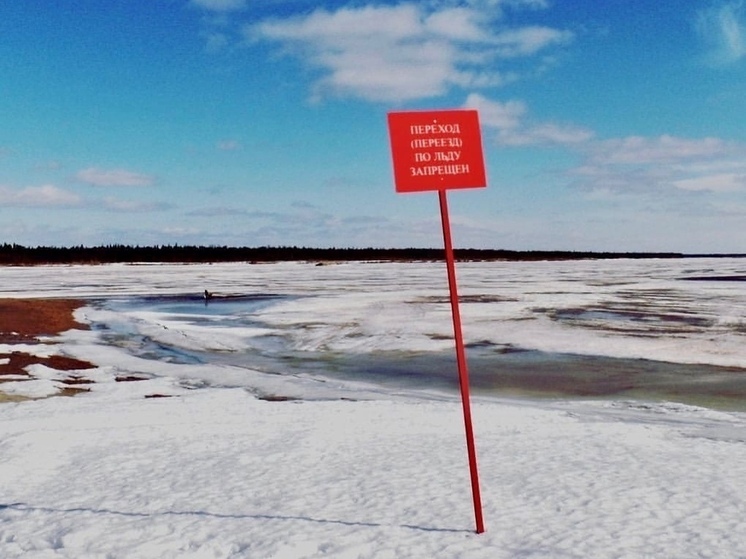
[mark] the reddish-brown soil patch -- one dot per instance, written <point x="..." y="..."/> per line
<point x="17" y="362"/>
<point x="24" y="320"/>
<point x="129" y="378"/>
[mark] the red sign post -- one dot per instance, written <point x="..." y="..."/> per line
<point x="441" y="150"/>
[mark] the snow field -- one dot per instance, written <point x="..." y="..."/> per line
<point x="217" y="473"/>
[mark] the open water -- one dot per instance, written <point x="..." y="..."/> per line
<point x="495" y="369"/>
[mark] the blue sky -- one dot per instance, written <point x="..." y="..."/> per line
<point x="617" y="125"/>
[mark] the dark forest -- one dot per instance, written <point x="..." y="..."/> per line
<point x="19" y="255"/>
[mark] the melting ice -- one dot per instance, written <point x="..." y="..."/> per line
<point x="662" y="329"/>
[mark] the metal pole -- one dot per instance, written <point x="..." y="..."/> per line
<point x="463" y="373"/>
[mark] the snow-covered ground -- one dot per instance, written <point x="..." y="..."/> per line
<point x="350" y="468"/>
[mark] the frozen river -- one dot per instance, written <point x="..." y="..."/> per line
<point x="310" y="411"/>
<point x="644" y="329"/>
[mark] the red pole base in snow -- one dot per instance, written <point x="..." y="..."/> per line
<point x="463" y="373"/>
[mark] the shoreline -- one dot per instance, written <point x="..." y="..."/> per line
<point x="28" y="321"/>
<point x="524" y="374"/>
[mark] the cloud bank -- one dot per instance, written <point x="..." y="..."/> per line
<point x="407" y="51"/>
<point x="113" y="177"/>
<point x="722" y="27"/>
<point x="47" y="195"/>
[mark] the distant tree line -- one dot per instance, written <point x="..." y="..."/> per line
<point x="19" y="255"/>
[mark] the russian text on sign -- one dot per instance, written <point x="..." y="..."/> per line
<point x="427" y="129"/>
<point x="436" y="150"/>
<point x="424" y="143"/>
<point x="435" y="170"/>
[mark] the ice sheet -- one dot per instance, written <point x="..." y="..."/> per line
<point x="523" y="322"/>
<point x="343" y="469"/>
<point x="217" y="473"/>
<point x="655" y="309"/>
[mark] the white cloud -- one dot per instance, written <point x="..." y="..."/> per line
<point x="220" y="5"/>
<point x="48" y="166"/>
<point x="406" y="51"/>
<point x="632" y="165"/>
<point x="529" y="40"/>
<point x="113" y="177"/>
<point x="228" y="145"/>
<point x="496" y="114"/>
<point x="215" y="41"/>
<point x="722" y="182"/>
<point x="219" y="23"/>
<point x="722" y="27"/>
<point x="218" y="211"/>
<point x="132" y="206"/>
<point x="662" y="149"/>
<point x="546" y="134"/>
<point x="461" y="24"/>
<point x="663" y="164"/>
<point x="508" y="121"/>
<point x="499" y="7"/>
<point x="46" y="195"/>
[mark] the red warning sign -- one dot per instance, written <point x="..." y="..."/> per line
<point x="436" y="150"/>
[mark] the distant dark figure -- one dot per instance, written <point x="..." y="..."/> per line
<point x="208" y="296"/>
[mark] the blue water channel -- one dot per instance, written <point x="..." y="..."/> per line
<point x="495" y="370"/>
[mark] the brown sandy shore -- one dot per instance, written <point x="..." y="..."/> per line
<point x="29" y="321"/>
